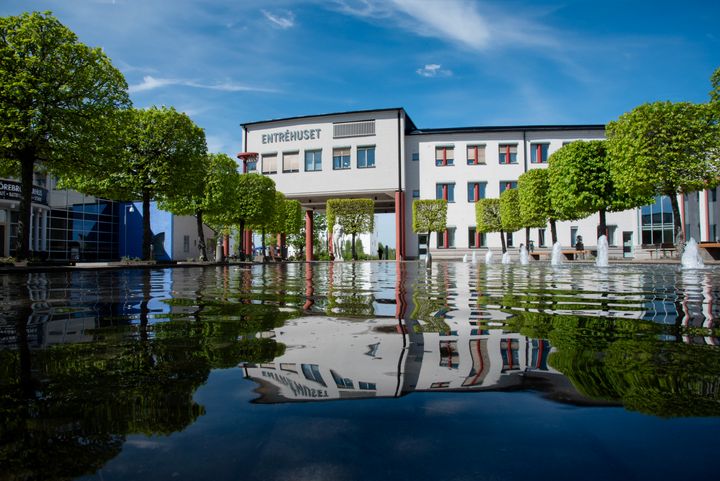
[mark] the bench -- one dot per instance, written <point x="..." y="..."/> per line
<point x="538" y="255"/>
<point x="575" y="254"/>
<point x="712" y="248"/>
<point x="661" y="251"/>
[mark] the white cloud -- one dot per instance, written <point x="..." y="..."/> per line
<point x="471" y="25"/>
<point x="283" y="21"/>
<point x="151" y="83"/>
<point x="433" y="70"/>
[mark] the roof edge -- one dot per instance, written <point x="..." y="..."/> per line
<point x="507" y="128"/>
<point x="410" y="125"/>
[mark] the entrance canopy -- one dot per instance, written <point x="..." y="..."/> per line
<point x="384" y="200"/>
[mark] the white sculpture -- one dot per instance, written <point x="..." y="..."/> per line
<point x="337" y="241"/>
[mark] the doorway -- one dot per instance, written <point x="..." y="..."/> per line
<point x="627" y="244"/>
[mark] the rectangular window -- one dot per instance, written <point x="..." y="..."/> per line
<point x="508" y="153"/>
<point x="341" y="382"/>
<point x="313" y="160"/>
<point x="539" y="153"/>
<point x="269" y="164"/>
<point x="312" y="373"/>
<point x="366" y="157"/>
<point x="291" y="161"/>
<point x="415" y="194"/>
<point x="415" y="156"/>
<point x="541" y="237"/>
<point x="509" y="236"/>
<point x="475" y="191"/>
<point x="446" y="239"/>
<point x="367" y="386"/>
<point x="445" y="191"/>
<point x="445" y="155"/>
<point x="573" y="235"/>
<point x="341" y="158"/>
<point x="252" y="164"/>
<point x="475" y="154"/>
<point x="186" y="243"/>
<point x="507" y="184"/>
<point x="475" y="239"/>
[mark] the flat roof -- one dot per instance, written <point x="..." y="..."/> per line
<point x="409" y="124"/>
<point x="412" y="129"/>
<point x="506" y="128"/>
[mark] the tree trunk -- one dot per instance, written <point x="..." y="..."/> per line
<point x="201" y="235"/>
<point x="553" y="231"/>
<point x="263" y="242"/>
<point x="679" y="238"/>
<point x="22" y="243"/>
<point x="502" y="241"/>
<point x="527" y="237"/>
<point x="602" y="228"/>
<point x="147" y="233"/>
<point x="354" y="252"/>
<point x="242" y="241"/>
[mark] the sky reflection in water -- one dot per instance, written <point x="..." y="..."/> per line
<point x="225" y="373"/>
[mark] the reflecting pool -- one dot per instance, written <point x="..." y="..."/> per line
<point x="360" y="371"/>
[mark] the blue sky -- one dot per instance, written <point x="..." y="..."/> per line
<point x="449" y="63"/>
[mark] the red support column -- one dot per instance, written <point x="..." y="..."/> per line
<point x="226" y="246"/>
<point x="399" y="225"/>
<point x="308" y="235"/>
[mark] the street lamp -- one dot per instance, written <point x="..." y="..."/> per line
<point x="131" y="209"/>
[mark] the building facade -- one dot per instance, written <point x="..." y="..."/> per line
<point x="66" y="225"/>
<point x="383" y="155"/>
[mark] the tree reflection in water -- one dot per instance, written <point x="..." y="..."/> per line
<point x="67" y="408"/>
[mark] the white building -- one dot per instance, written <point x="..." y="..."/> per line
<point x="382" y="155"/>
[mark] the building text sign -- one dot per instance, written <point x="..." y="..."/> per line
<point x="291" y="136"/>
<point x="10" y="190"/>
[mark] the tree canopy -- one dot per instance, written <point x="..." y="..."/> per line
<point x="510" y="210"/>
<point x="580" y="183"/>
<point x="429" y="215"/>
<point x="356" y="216"/>
<point x="163" y="158"/>
<point x="665" y="148"/>
<point x="534" y="198"/>
<point x="535" y="203"/>
<point x="58" y="98"/>
<point x="487" y="218"/>
<point x="293" y="217"/>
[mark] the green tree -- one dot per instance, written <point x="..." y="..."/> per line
<point x="715" y="92"/>
<point x="220" y="197"/>
<point x="255" y="196"/>
<point x="163" y="158"/>
<point x="580" y="183"/>
<point x="274" y="222"/>
<point x="487" y="218"/>
<point x="58" y="98"/>
<point x="429" y="215"/>
<point x="356" y="216"/>
<point x="535" y="205"/>
<point x="664" y="148"/>
<point x="510" y="210"/>
<point x="196" y="198"/>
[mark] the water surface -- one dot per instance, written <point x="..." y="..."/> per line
<point x="355" y="371"/>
